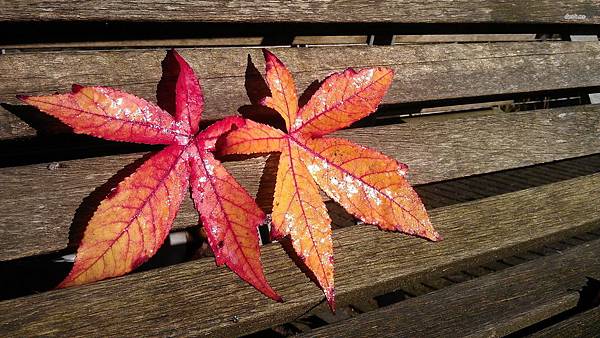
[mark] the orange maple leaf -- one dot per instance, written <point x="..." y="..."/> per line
<point x="368" y="184"/>
<point x="131" y="224"/>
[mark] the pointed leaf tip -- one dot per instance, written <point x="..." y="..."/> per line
<point x="111" y="114"/>
<point x="284" y="98"/>
<point x="330" y="296"/>
<point x="22" y="97"/>
<point x="75" y="88"/>
<point x="230" y="218"/>
<point x="211" y="134"/>
<point x="268" y="55"/>
<point x="179" y="92"/>
<point x="342" y="99"/>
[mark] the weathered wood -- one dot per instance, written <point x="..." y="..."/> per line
<point x="586" y="324"/>
<point x="147" y="43"/>
<point x="423" y="72"/>
<point x="329" y="11"/>
<point x="39" y="204"/>
<point x="197" y="298"/>
<point x="463" y="38"/>
<point x="331" y="40"/>
<point x="493" y="305"/>
<point x="189" y="42"/>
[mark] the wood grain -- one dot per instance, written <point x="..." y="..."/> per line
<point x="304" y="11"/>
<point x="423" y="72"/>
<point x="585" y="324"/>
<point x="147" y="43"/>
<point x="39" y="204"/>
<point x="198" y="299"/>
<point x="463" y="38"/>
<point x="493" y="305"/>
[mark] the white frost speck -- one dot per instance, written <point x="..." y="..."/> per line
<point x="372" y="194"/>
<point x="289" y="219"/>
<point x="210" y="169"/>
<point x="313" y="168"/>
<point x="182" y="139"/>
<point x="360" y="81"/>
<point x="297" y="123"/>
<point x="351" y="190"/>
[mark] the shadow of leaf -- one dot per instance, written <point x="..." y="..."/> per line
<point x="286" y="243"/>
<point x="43" y="124"/>
<point x="266" y="185"/>
<point x="166" y="88"/>
<point x="88" y="206"/>
<point x="257" y="89"/>
<point x="309" y="92"/>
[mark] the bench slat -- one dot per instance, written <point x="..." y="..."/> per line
<point x="423" y="73"/>
<point x="493" y="305"/>
<point x="197" y="298"/>
<point x="586" y="324"/>
<point x="305" y="11"/>
<point x="39" y="204"/>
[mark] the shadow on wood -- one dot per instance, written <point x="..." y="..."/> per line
<point x="44" y="124"/>
<point x="88" y="206"/>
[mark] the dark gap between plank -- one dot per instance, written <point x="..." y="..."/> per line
<point x="589" y="298"/>
<point x="69" y="31"/>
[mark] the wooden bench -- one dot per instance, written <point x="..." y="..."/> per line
<point x="513" y="189"/>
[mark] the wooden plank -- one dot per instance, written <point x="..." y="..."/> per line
<point x="462" y="38"/>
<point x="39" y="204"/>
<point x="328" y="11"/>
<point x="315" y="40"/>
<point x="423" y="72"/>
<point x="585" y="324"/>
<point x="197" y="298"/>
<point x="152" y="43"/>
<point x="494" y="305"/>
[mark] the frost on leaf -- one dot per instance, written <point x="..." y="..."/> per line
<point x="132" y="223"/>
<point x="368" y="184"/>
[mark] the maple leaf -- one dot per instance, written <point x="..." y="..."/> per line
<point x="368" y="184"/>
<point x="131" y="224"/>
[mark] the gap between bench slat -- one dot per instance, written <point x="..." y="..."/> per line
<point x="494" y="305"/>
<point x="39" y="204"/>
<point x="305" y="11"/>
<point x="586" y="324"/>
<point x="423" y="73"/>
<point x="197" y="298"/>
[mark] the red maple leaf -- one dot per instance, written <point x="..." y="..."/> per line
<point x="368" y="184"/>
<point x="131" y="224"/>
